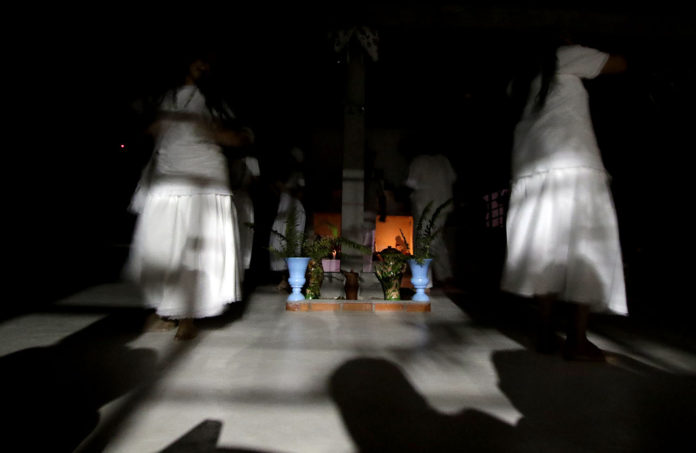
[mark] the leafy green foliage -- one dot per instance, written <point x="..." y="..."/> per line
<point x="325" y="246"/>
<point x="293" y="239"/>
<point x="425" y="232"/>
<point x="389" y="270"/>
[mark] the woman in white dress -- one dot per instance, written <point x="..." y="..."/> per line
<point x="185" y="250"/>
<point x="563" y="241"/>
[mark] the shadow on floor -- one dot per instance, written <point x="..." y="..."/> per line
<point x="52" y="394"/>
<point x="512" y="316"/>
<point x="233" y="313"/>
<point x="110" y="427"/>
<point x="515" y="317"/>
<point x="570" y="407"/>
<point x="203" y="438"/>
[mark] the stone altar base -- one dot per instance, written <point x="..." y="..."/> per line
<point x="370" y="298"/>
<point x="374" y="306"/>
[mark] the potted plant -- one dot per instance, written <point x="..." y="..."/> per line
<point x="420" y="257"/>
<point x="316" y="249"/>
<point x="390" y="269"/>
<point x="292" y="250"/>
<point x="324" y="253"/>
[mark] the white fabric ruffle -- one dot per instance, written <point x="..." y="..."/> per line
<point x="563" y="239"/>
<point x="185" y="255"/>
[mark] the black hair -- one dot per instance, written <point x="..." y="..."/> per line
<point x="548" y="64"/>
<point x="209" y="84"/>
<point x="540" y="61"/>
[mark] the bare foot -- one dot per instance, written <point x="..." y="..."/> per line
<point x="187" y="330"/>
<point x="583" y="352"/>
<point x="154" y="323"/>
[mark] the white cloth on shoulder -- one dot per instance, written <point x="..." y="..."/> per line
<point x="560" y="135"/>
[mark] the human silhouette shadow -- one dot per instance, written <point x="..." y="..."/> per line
<point x="52" y="394"/>
<point x="383" y="412"/>
<point x="621" y="406"/>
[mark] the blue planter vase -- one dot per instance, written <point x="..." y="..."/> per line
<point x="419" y="279"/>
<point x="297" y="267"/>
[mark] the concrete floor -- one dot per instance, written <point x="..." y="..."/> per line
<point x="81" y="376"/>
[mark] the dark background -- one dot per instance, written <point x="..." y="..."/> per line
<point x="443" y="71"/>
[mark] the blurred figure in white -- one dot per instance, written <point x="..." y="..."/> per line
<point x="431" y="178"/>
<point x="563" y="241"/>
<point x="289" y="184"/>
<point x="244" y="173"/>
<point x="185" y="252"/>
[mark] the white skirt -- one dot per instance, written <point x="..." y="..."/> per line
<point x="563" y="240"/>
<point x="185" y="255"/>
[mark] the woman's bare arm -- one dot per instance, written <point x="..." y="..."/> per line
<point x="615" y="64"/>
<point x="233" y="137"/>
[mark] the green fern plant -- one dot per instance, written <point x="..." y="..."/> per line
<point x="293" y="239"/>
<point x="321" y="247"/>
<point x="425" y="232"/>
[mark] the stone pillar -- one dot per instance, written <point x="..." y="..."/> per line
<point x="353" y="193"/>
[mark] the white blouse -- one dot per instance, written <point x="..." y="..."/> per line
<point x="187" y="159"/>
<point x="560" y="135"/>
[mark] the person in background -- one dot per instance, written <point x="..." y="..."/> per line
<point x="289" y="185"/>
<point x="431" y="177"/>
<point x="244" y="175"/>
